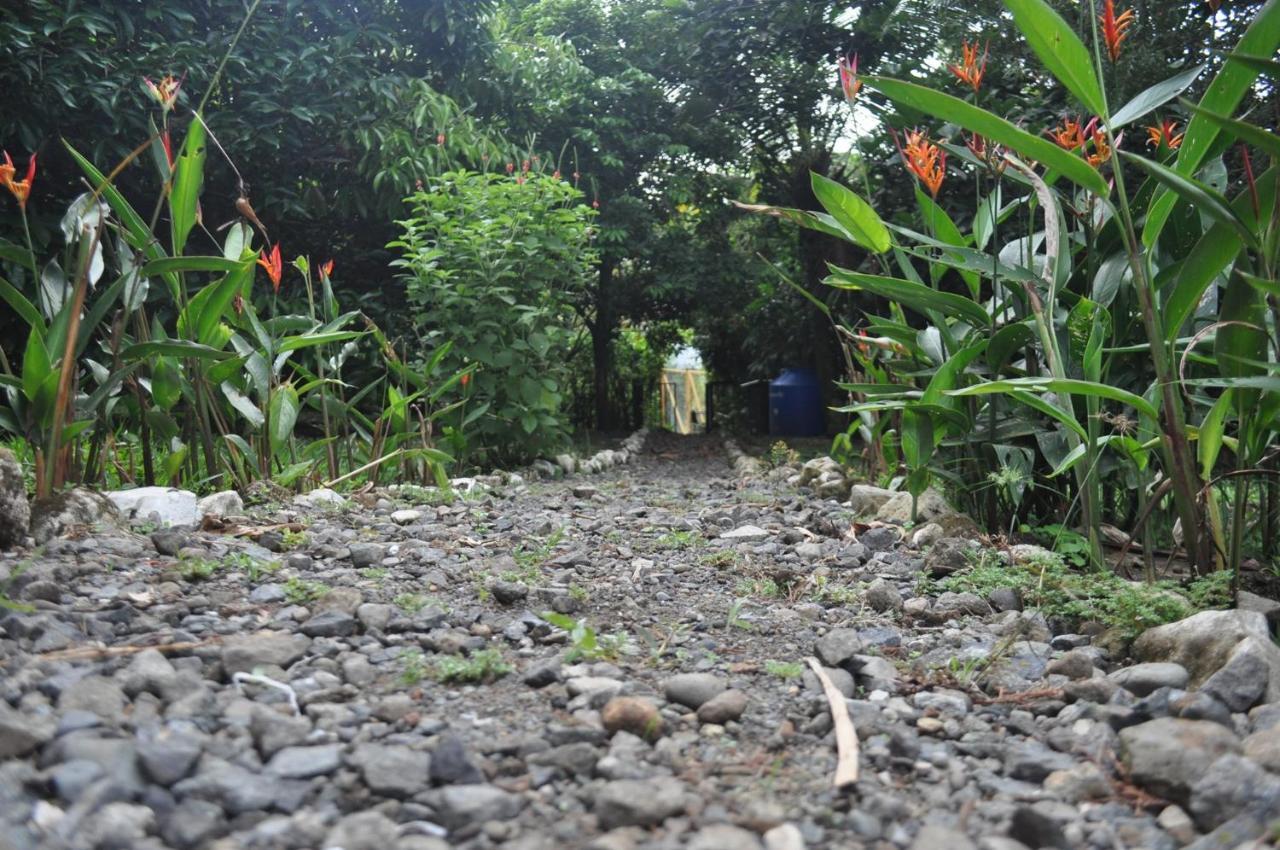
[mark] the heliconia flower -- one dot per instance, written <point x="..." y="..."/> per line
<point x="167" y="144"/>
<point x="465" y="379"/>
<point x="21" y="189"/>
<point x="969" y="71"/>
<point x="556" y="174"/>
<point x="274" y="266"/>
<point x="849" y="82"/>
<point x="439" y="139"/>
<point x="595" y="205"/>
<point x="166" y="91"/>
<point x="1069" y="135"/>
<point x="1101" y="149"/>
<point x="925" y="160"/>
<point x="524" y="167"/>
<point x="1115" y="28"/>
<point x="326" y="269"/>
<point x="511" y="167"/>
<point x="1165" y="133"/>
<point x="989" y="154"/>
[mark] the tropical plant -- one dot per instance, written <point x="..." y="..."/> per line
<point x="1075" y="340"/>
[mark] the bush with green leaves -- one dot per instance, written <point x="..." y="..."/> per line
<point x="495" y="263"/>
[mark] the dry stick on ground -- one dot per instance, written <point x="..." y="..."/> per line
<point x="86" y="652"/>
<point x="846" y="735"/>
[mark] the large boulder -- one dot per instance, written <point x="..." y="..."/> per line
<point x="1169" y="755"/>
<point x="165" y="506"/>
<point x="1211" y="641"/>
<point x="54" y="516"/>
<point x="931" y="506"/>
<point x="15" y="511"/>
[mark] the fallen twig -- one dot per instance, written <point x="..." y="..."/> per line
<point x="89" y="652"/>
<point x="846" y="735"/>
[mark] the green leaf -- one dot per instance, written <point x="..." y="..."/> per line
<point x="1222" y="97"/>
<point x="1060" y="49"/>
<point x="853" y="213"/>
<point x="166" y="383"/>
<point x="1195" y="193"/>
<point x="284" y="415"/>
<point x="172" y="348"/>
<point x="293" y="343"/>
<point x="947" y="108"/>
<point x="188" y="177"/>
<point x="170" y="265"/>
<point x="915" y="296"/>
<point x="1062" y="385"/>
<point x="37" y="366"/>
<point x="1155" y="97"/>
<point x="1212" y="429"/>
<point x="24" y="308"/>
<point x="1240" y="341"/>
<point x="1242" y="130"/>
<point x="1260" y="64"/>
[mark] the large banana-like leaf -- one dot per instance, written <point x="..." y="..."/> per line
<point x="1060" y="49"/>
<point x="853" y="213"/>
<point x="915" y="296"/>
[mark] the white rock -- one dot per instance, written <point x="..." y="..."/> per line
<point x="745" y="532"/>
<point x="406" y="517"/>
<point x="226" y="503"/>
<point x="567" y="463"/>
<point x="319" y="498"/>
<point x="166" y="505"/>
<point x="463" y="485"/>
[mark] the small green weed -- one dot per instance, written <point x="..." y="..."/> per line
<point x="414" y="603"/>
<point x="764" y="587"/>
<point x="300" y="591"/>
<point x="579" y="593"/>
<point x="294" y="539"/>
<point x="784" y="669"/>
<point x="720" y="558"/>
<point x="673" y="540"/>
<point x="780" y="454"/>
<point x="532" y="556"/>
<point x="1071" y="545"/>
<point x="585" y="643"/>
<point x="198" y="569"/>
<point x="413" y="669"/>
<point x="253" y="569"/>
<point x="374" y="573"/>
<point x="482" y="666"/>
<point x="735" y="620"/>
<point x="837" y="594"/>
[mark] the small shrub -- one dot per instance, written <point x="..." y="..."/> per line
<point x="300" y="591"/>
<point x="780" y="454"/>
<point x="585" y="643"/>
<point x="413" y="669"/>
<point x="784" y="669"/>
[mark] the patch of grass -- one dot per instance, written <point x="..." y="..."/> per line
<point x="674" y="540"/>
<point x="585" y="643"/>
<point x="784" y="669"/>
<point x="579" y="593"/>
<point x="294" y="539"/>
<point x="198" y="569"/>
<point x="533" y="555"/>
<point x="765" y="587"/>
<point x="824" y="590"/>
<point x="734" y="620"/>
<point x="374" y="573"/>
<point x="253" y="569"/>
<point x="415" y="603"/>
<point x="482" y="666"/>
<point x="1071" y="545"/>
<point x="780" y="454"/>
<point x="720" y="558"/>
<point x="300" y="591"/>
<point x="427" y="496"/>
<point x="1056" y="590"/>
<point x="412" y="667"/>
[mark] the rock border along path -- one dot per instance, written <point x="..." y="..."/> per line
<point x="277" y="683"/>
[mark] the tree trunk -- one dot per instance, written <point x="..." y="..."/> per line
<point x="602" y="331"/>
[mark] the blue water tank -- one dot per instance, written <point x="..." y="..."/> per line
<point x="795" y="405"/>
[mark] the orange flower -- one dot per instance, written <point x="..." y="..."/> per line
<point x="326" y="269"/>
<point x="166" y="91"/>
<point x="849" y="81"/>
<point x="274" y="266"/>
<point x="990" y="155"/>
<point x="1101" y="149"/>
<point x="1069" y="135"/>
<point x="969" y="71"/>
<point x="439" y="139"/>
<point x="1115" y="28"/>
<point x="1166" y="133"/>
<point x="465" y="379"/>
<point x="21" y="189"/>
<point x="925" y="160"/>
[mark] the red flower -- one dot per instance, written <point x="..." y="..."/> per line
<point x="1166" y="133"/>
<point x="166" y="91"/>
<point x="465" y="379"/>
<point x="511" y="167"/>
<point x="556" y="174"/>
<point x="849" y="82"/>
<point x="274" y="266"/>
<point x="925" y="160"/>
<point x="1115" y="28"/>
<point x="21" y="189"/>
<point x="167" y="144"/>
<point x="969" y="71"/>
<point x="595" y="205"/>
<point x="440" y="139"/>
<point x="326" y="269"/>
<point x="1069" y="135"/>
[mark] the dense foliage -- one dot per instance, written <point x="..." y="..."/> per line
<point x="492" y="265"/>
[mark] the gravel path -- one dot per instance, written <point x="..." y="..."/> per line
<point x="382" y="675"/>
